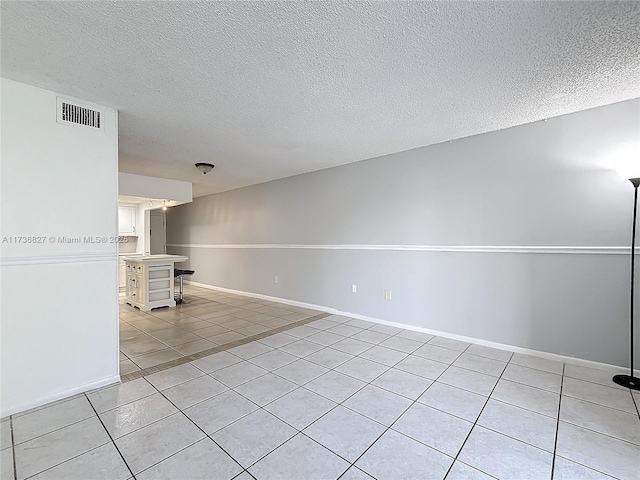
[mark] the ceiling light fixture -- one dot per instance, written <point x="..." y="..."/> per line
<point x="164" y="205"/>
<point x="204" y="167"/>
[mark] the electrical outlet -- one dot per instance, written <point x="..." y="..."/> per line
<point x="275" y="279"/>
<point x="387" y="294"/>
<point x="354" y="288"/>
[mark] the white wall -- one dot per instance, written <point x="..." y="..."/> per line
<point x="155" y="188"/>
<point x="454" y="230"/>
<point x="59" y="323"/>
<point x="143" y="232"/>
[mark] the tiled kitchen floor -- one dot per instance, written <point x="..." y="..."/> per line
<point x="339" y="398"/>
<point x="148" y="339"/>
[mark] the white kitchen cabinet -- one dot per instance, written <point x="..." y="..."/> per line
<point x="149" y="281"/>
<point x="122" y="276"/>
<point x="134" y="293"/>
<point x="127" y="220"/>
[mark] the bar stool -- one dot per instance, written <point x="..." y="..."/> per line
<point x="181" y="273"/>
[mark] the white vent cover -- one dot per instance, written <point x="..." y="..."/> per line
<point x="70" y="112"/>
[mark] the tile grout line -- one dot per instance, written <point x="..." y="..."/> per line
<point x="597" y="404"/>
<point x="555" y="442"/>
<point x="204" y="374"/>
<point x="475" y="423"/>
<point x="193" y="332"/>
<point x="635" y="402"/>
<point x="577" y="425"/>
<point x="301" y="386"/>
<point x="232" y="309"/>
<point x="179" y="410"/>
<point x="110" y="437"/>
<point x="386" y="428"/>
<point x="75" y="422"/>
<point x="13" y="449"/>
<point x="241" y="359"/>
<point x="419" y="356"/>
<point x="68" y="460"/>
<point x="465" y="440"/>
<point x="590" y="430"/>
<point x="220" y="348"/>
<point x="353" y="336"/>
<point x="251" y="477"/>
<point x="79" y="454"/>
<point x="200" y="428"/>
<point x="370" y="383"/>
<point x="298" y="431"/>
<point x="338" y="404"/>
<point x="221" y="308"/>
<point x="239" y="341"/>
<point x="372" y="345"/>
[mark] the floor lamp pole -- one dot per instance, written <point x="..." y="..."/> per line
<point x="630" y="381"/>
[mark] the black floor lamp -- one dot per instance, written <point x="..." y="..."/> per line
<point x="631" y="381"/>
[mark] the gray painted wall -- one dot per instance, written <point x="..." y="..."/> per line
<point x="546" y="183"/>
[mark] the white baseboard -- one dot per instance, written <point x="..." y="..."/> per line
<point x="500" y="346"/>
<point x="453" y="336"/>
<point x="13" y="409"/>
<point x="264" y="297"/>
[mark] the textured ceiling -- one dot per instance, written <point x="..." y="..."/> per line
<point x="267" y="90"/>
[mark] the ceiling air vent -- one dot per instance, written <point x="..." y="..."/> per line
<point x="73" y="113"/>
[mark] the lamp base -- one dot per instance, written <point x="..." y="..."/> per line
<point x="627" y="381"/>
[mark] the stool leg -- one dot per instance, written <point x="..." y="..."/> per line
<point x="181" y="299"/>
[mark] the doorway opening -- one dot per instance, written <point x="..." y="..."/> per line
<point x="157" y="233"/>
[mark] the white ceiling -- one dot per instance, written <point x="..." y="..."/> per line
<point x="266" y="90"/>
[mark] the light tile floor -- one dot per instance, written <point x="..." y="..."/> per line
<point x="148" y="339"/>
<point x="339" y="398"/>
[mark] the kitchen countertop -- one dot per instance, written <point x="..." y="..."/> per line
<point x="154" y="258"/>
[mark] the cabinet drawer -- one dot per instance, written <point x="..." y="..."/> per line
<point x="159" y="285"/>
<point x="161" y="295"/>
<point x="156" y="273"/>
